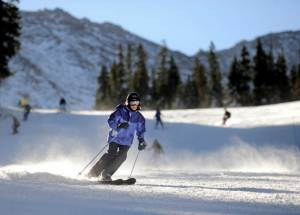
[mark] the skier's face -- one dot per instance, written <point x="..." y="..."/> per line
<point x="134" y="105"/>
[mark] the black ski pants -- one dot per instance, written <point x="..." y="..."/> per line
<point x="110" y="162"/>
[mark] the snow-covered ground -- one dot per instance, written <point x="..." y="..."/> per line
<point x="250" y="166"/>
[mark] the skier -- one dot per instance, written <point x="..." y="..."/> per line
<point x="23" y="101"/>
<point x="15" y="125"/>
<point x="15" y="122"/>
<point x="27" y="110"/>
<point x="226" y="116"/>
<point x="157" y="159"/>
<point x="124" y="122"/>
<point x="62" y="104"/>
<point x="157" y="148"/>
<point x="25" y="105"/>
<point x="158" y="118"/>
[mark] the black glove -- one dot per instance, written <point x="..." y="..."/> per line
<point x="142" y="145"/>
<point x="123" y="125"/>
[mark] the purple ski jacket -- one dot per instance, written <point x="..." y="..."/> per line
<point x="123" y="136"/>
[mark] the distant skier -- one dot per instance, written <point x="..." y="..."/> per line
<point x="62" y="104"/>
<point x="157" y="158"/>
<point x="15" y="125"/>
<point x="27" y="110"/>
<point x="157" y="148"/>
<point x="124" y="122"/>
<point x="26" y="106"/>
<point x="226" y="116"/>
<point x="158" y="118"/>
<point x="15" y="122"/>
<point x="23" y="101"/>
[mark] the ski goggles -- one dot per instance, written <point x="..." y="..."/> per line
<point x="134" y="103"/>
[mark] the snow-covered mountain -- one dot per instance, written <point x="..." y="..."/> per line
<point x="61" y="56"/>
<point x="285" y="42"/>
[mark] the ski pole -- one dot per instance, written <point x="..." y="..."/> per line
<point x="134" y="164"/>
<point x="92" y="159"/>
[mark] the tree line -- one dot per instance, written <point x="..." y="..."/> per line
<point x="250" y="81"/>
<point x="9" y="35"/>
<point x="161" y="86"/>
<point x="263" y="79"/>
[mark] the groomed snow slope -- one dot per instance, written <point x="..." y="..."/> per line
<point x="250" y="166"/>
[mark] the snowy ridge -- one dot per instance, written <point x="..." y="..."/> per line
<point x="61" y="56"/>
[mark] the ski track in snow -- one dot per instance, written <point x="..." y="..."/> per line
<point x="208" y="193"/>
<point x="250" y="166"/>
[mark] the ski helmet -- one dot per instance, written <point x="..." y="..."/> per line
<point x="133" y="96"/>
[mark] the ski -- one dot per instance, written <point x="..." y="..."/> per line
<point x="129" y="181"/>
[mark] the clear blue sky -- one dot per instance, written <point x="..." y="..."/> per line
<point x="186" y="25"/>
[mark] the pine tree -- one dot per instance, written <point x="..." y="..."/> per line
<point x="271" y="81"/>
<point x="153" y="89"/>
<point x="246" y="79"/>
<point x="295" y="82"/>
<point x="261" y="75"/>
<point x="239" y="79"/>
<point x="200" y="79"/>
<point x="103" y="92"/>
<point x="113" y="84"/>
<point x="234" y="79"/>
<point x="162" y="76"/>
<point x="140" y="77"/>
<point x="173" y="82"/>
<point x="282" y="87"/>
<point x="215" y="77"/>
<point x="121" y="84"/>
<point x="189" y="96"/>
<point x="129" y="66"/>
<point x="9" y="34"/>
